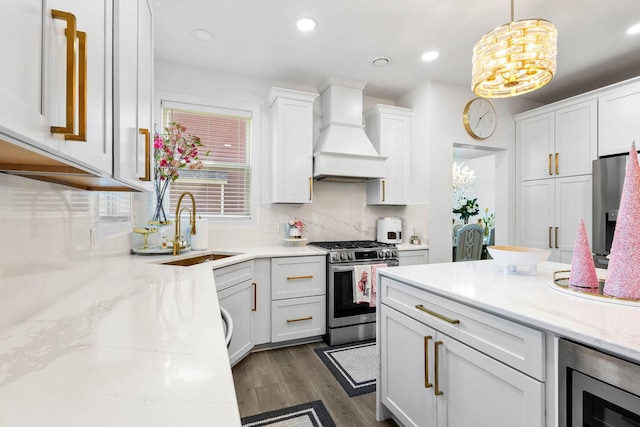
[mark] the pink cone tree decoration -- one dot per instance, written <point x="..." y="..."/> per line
<point x="583" y="271"/>
<point x="623" y="278"/>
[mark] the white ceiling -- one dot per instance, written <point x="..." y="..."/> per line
<point x="258" y="38"/>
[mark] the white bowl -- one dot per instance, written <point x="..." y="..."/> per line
<point x="513" y="256"/>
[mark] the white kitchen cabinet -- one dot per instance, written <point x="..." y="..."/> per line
<point x="261" y="310"/>
<point x="445" y="364"/>
<point x="558" y="143"/>
<point x="618" y="114"/>
<point x="133" y="93"/>
<point x="550" y="210"/>
<point x="235" y="287"/>
<point x="291" y="114"/>
<point x="33" y="91"/>
<point x="298" y="295"/>
<point x="413" y="257"/>
<point x="555" y="151"/>
<point x="389" y="129"/>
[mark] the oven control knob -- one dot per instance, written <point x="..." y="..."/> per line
<point x="343" y="256"/>
<point x="351" y="256"/>
<point x="335" y="257"/>
<point x="380" y="254"/>
<point x="394" y="254"/>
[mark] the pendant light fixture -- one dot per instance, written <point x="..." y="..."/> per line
<point x="515" y="58"/>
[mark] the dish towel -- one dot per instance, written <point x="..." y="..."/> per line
<point x="374" y="286"/>
<point x="362" y="284"/>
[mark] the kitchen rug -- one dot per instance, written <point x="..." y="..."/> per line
<point x="353" y="365"/>
<point x="312" y="414"/>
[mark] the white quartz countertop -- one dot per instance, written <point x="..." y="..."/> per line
<point x="118" y="341"/>
<point x="530" y="300"/>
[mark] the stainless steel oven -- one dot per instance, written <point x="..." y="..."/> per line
<point x="348" y="321"/>
<point x="597" y="389"/>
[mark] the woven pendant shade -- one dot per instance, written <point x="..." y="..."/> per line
<point x="515" y="58"/>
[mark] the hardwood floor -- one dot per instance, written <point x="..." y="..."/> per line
<point x="280" y="378"/>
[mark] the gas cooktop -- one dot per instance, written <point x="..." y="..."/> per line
<point x="352" y="244"/>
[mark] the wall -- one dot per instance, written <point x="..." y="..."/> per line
<point x="338" y="212"/>
<point x="441" y="106"/>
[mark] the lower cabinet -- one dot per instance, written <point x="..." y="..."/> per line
<point x="235" y="285"/>
<point x="413" y="257"/>
<point x="431" y="374"/>
<point x="237" y="300"/>
<point x="298" y="294"/>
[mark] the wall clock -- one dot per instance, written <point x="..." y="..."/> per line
<point x="479" y="118"/>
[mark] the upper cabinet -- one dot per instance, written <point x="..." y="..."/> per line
<point x="389" y="129"/>
<point x="292" y="145"/>
<point x="56" y="95"/>
<point x="558" y="143"/>
<point x="619" y="111"/>
<point x="133" y="93"/>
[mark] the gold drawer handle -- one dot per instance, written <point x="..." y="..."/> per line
<point x="427" y="384"/>
<point x="147" y="154"/>
<point x="71" y="35"/>
<point x="254" y="285"/>
<point x="438" y="315"/>
<point x="557" y="164"/>
<point x="310" y="188"/>
<point x="550" y="172"/>
<point x="300" y="319"/>
<point x="82" y="90"/>
<point x="436" y="389"/>
<point x="299" y="277"/>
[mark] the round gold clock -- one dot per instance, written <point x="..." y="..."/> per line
<point x="479" y="118"/>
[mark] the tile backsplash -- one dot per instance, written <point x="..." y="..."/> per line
<point x="47" y="225"/>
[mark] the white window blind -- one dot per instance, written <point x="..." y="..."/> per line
<point x="223" y="187"/>
<point x="114" y="206"/>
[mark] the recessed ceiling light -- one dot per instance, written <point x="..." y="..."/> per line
<point x="306" y="24"/>
<point x="634" y="29"/>
<point x="380" y="61"/>
<point x="430" y="55"/>
<point x="202" y="35"/>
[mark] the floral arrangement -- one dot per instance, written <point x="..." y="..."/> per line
<point x="173" y="150"/>
<point x="296" y="223"/>
<point x="467" y="208"/>
<point x="488" y="220"/>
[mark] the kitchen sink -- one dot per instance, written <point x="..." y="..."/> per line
<point x="186" y="262"/>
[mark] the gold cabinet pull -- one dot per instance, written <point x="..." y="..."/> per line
<point x="384" y="190"/>
<point x="82" y="91"/>
<point x="557" y="247"/>
<point x="557" y="165"/>
<point x="300" y="319"/>
<point x="299" y="277"/>
<point x="550" y="172"/>
<point x="438" y="315"/>
<point x="71" y="35"/>
<point x="436" y="389"/>
<point x="147" y="154"/>
<point x="550" y="245"/>
<point x="310" y="187"/>
<point x="254" y="285"/>
<point x="427" y="384"/>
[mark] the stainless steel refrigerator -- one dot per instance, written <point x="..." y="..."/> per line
<point x="608" y="179"/>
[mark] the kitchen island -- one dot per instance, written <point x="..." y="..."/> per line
<point x="117" y="340"/>
<point x="498" y="328"/>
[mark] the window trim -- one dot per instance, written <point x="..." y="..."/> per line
<point x="164" y="99"/>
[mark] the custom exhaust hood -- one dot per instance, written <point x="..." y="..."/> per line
<point x="343" y="152"/>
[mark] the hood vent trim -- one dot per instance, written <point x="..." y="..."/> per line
<point x="343" y="152"/>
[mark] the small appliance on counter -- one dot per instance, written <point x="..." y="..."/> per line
<point x="389" y="230"/>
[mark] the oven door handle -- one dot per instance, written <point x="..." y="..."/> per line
<point x="351" y="267"/>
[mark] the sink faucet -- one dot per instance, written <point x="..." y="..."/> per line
<point x="192" y="215"/>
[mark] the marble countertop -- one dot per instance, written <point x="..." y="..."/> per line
<point x="531" y="300"/>
<point x="118" y="340"/>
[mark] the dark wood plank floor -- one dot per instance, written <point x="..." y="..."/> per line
<point x="280" y="378"/>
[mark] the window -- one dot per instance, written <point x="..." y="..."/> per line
<point x="114" y="206"/>
<point x="223" y="187"/>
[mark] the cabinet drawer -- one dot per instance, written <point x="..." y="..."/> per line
<point x="233" y="274"/>
<point x="298" y="318"/>
<point x="298" y="277"/>
<point x="512" y="343"/>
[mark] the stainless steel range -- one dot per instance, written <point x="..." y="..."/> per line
<point x="350" y="317"/>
